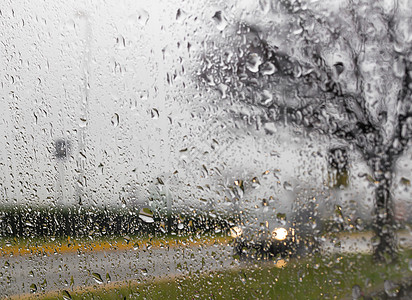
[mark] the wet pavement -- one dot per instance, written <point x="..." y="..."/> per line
<point x="68" y="271"/>
<point x="71" y="270"/>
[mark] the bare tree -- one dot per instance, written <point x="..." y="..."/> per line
<point x="346" y="74"/>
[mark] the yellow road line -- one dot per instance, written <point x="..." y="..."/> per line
<point x="72" y="246"/>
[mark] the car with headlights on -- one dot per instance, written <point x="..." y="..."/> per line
<point x="264" y="240"/>
<point x="263" y="233"/>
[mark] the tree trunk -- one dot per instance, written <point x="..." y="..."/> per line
<point x="384" y="242"/>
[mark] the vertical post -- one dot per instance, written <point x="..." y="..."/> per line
<point x="169" y="208"/>
<point x="62" y="148"/>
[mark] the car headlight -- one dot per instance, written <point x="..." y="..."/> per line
<point x="279" y="233"/>
<point x="235" y="232"/>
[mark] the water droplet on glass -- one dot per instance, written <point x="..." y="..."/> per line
<point x="82" y="122"/>
<point x="410" y="265"/>
<point x="220" y="20"/>
<point x="222" y="88"/>
<point x="267" y="98"/>
<point x="33" y="288"/>
<point x="209" y="80"/>
<point x="375" y="240"/>
<point x="120" y="42"/>
<point x="66" y="295"/>
<point x="142" y="17"/>
<point x="255" y="183"/>
<point x="115" y="120"/>
<point x="339" y="68"/>
<point x="180" y="226"/>
<point x="280" y="263"/>
<point x="287" y="186"/>
<point x="162" y="227"/>
<point x="146" y="215"/>
<point x="356" y="292"/>
<point x="180" y="15"/>
<point x="391" y="289"/>
<point x="108" y="278"/>
<point x="154" y="113"/>
<point x="97" y="278"/>
<point x="399" y="68"/>
<point x="253" y="62"/>
<point x="268" y="68"/>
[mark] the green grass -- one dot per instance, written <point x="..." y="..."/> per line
<point x="316" y="277"/>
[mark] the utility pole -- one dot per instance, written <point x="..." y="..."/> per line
<point x="62" y="148"/>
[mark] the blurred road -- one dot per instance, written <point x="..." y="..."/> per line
<point x="71" y="270"/>
<point x="21" y="274"/>
<point x="359" y="242"/>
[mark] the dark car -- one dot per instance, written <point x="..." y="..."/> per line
<point x="271" y="241"/>
<point x="264" y="234"/>
<point x="264" y="240"/>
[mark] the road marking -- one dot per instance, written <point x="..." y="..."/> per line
<point x="72" y="246"/>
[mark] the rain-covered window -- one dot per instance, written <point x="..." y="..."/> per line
<point x="253" y="149"/>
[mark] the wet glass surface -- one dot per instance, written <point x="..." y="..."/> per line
<point x="225" y="149"/>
